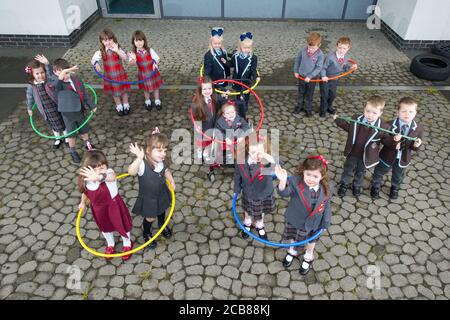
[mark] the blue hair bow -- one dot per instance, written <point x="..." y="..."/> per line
<point x="246" y="35"/>
<point x="217" y="32"/>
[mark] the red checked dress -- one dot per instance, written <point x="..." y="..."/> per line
<point x="145" y="69"/>
<point x="110" y="214"/>
<point x="114" y="70"/>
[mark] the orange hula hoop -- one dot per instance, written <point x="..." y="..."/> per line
<point x="335" y="77"/>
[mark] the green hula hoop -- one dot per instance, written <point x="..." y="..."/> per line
<point x="70" y="133"/>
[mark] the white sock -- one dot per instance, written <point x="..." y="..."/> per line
<point x="292" y="251"/>
<point x="66" y="139"/>
<point x="289" y="258"/>
<point x="126" y="241"/>
<point x="148" y="102"/>
<point x="309" y="255"/>
<point x="119" y="107"/>
<point x="126" y="106"/>
<point x="109" y="236"/>
<point x="157" y="102"/>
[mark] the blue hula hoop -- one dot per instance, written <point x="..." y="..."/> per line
<point x="270" y="243"/>
<point x="125" y="82"/>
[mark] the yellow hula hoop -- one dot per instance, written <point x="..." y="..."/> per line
<point x="232" y="93"/>
<point x="115" y="255"/>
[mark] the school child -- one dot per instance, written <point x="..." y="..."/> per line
<point x="335" y="63"/>
<point x="142" y="55"/>
<point x="244" y="63"/>
<point x="41" y="92"/>
<point x="309" y="208"/>
<point x="363" y="144"/>
<point x="215" y="60"/>
<point x="154" y="196"/>
<point x="397" y="155"/>
<point x="73" y="99"/>
<point x="308" y="64"/>
<point x="112" y="56"/>
<point x="232" y="128"/>
<point x="255" y="184"/>
<point x="98" y="184"/>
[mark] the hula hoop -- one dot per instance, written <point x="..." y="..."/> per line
<point x="335" y="77"/>
<point x="124" y="82"/>
<point x="115" y="255"/>
<point x="70" y="133"/>
<point x="270" y="243"/>
<point x="233" y="93"/>
<point x="251" y="91"/>
<point x="348" y="119"/>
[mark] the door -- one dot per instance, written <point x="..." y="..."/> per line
<point x="130" y="8"/>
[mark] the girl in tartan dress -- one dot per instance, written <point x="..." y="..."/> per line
<point x="111" y="54"/>
<point x="40" y="91"/>
<point x="142" y="55"/>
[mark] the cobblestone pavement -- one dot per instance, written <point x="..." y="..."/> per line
<point x="407" y="239"/>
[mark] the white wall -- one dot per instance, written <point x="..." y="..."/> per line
<point x="34" y="18"/>
<point x="397" y="14"/>
<point x="430" y="21"/>
<point x="417" y="19"/>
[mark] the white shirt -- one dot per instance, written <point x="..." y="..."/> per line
<point x="152" y="53"/>
<point x="158" y="168"/>
<point x="340" y="57"/>
<point x="98" y="55"/>
<point x="112" y="185"/>
<point x="315" y="188"/>
<point x="401" y="124"/>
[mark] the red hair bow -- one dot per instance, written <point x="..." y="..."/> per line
<point x="200" y="80"/>
<point x="28" y="69"/>
<point x="231" y="102"/>
<point x="322" y="159"/>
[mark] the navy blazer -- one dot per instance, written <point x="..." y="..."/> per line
<point x="299" y="212"/>
<point x="214" y="67"/>
<point x="244" y="69"/>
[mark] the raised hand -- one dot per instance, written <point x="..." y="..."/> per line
<point x="42" y="59"/>
<point x="137" y="151"/>
<point x="89" y="174"/>
<point x="280" y="173"/>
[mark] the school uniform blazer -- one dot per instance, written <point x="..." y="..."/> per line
<point x="299" y="212"/>
<point x="256" y="186"/>
<point x="238" y="123"/>
<point x="388" y="153"/>
<point x="332" y="67"/>
<point x="33" y="95"/>
<point x="371" y="146"/>
<point x="71" y="101"/>
<point x="244" y="69"/>
<point x="214" y="67"/>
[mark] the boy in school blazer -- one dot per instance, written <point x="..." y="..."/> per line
<point x="363" y="144"/>
<point x="72" y="100"/>
<point x="397" y="154"/>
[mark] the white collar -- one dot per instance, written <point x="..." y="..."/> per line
<point x="401" y="123"/>
<point x="340" y="57"/>
<point x="159" y="167"/>
<point x="40" y="82"/>
<point x="250" y="161"/>
<point x="315" y="188"/>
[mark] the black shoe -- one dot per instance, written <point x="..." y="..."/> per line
<point x="393" y="194"/>
<point x="356" y="191"/>
<point x="120" y="113"/>
<point x="286" y="262"/>
<point x="57" y="144"/>
<point x="244" y="234"/>
<point x="307" y="266"/>
<point x="322" y="114"/>
<point x="151" y="245"/>
<point x="262" y="236"/>
<point x="375" y="192"/>
<point x="75" y="157"/>
<point x="342" y="190"/>
<point x="126" y="112"/>
<point x="309" y="114"/>
<point x="149" y="107"/>
<point x="331" y="110"/>
<point x="166" y="233"/>
<point x="297" y="110"/>
<point x="159" y="107"/>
